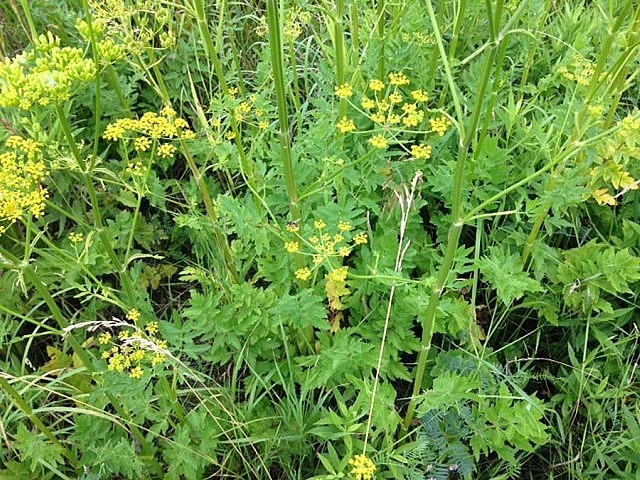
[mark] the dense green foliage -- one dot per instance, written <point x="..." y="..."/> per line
<point x="319" y="240"/>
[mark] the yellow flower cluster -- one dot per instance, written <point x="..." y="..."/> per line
<point x="394" y="109"/>
<point x="76" y="237"/>
<point x="22" y="171"/>
<point x="390" y="109"/>
<point x="43" y="76"/>
<point x="419" y="38"/>
<point x="151" y="125"/>
<point x="344" y="91"/>
<point x="362" y="468"/>
<point x="137" y="26"/>
<point x="134" y="350"/>
<point x="134" y="315"/>
<point x="108" y="50"/>
<point x="580" y="70"/>
<point x="345" y="125"/>
<point x="440" y="125"/>
<point x="151" y="128"/>
<point x="247" y="111"/>
<point x="615" y="163"/>
<point x="322" y="246"/>
<point x="421" y="151"/>
<point x="335" y="289"/>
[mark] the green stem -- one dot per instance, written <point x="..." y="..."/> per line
<point x="139" y="196"/>
<point x="97" y="106"/>
<point x="33" y="32"/>
<point x="295" y="87"/>
<point x="457" y="200"/>
<point x="355" y="34"/>
<point x="457" y="27"/>
<point x="380" y="17"/>
<point x="341" y="56"/>
<point x="275" y="43"/>
<point x="221" y="240"/>
<point x="212" y="53"/>
<point x="95" y="208"/>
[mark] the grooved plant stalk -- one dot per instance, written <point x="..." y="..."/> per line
<point x="466" y="138"/>
<point x="275" y="44"/>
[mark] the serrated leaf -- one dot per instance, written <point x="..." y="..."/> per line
<point x="503" y="271"/>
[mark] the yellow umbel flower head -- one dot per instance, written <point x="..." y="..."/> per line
<point x="363" y="468"/>
<point x="23" y="171"/>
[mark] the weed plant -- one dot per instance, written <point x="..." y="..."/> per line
<point x="319" y="240"/>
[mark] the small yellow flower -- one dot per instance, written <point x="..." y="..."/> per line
<point x="134" y="315"/>
<point x="303" y="274"/>
<point x="398" y="79"/>
<point x="413" y="119"/>
<point x="362" y="467"/>
<point x="360" y="239"/>
<point x="76" y="237"/>
<point x="244" y="107"/>
<point x="420" y="95"/>
<point x="376" y="85"/>
<point x="137" y="355"/>
<point x="142" y="144"/>
<point x="367" y="103"/>
<point x="180" y="123"/>
<point x="135" y="169"/>
<point x="344" y="91"/>
<point x="378" y="117"/>
<point x="339" y="274"/>
<point x="383" y="106"/>
<point x="166" y="150"/>
<point x="319" y="224"/>
<point x="409" y="108"/>
<point x="152" y="328"/>
<point x="440" y="125"/>
<point x="292" y="247"/>
<point x="233" y="91"/>
<point x="595" y="111"/>
<point x="293" y="226"/>
<point x="104" y="338"/>
<point x="136" y="372"/>
<point x="118" y="362"/>
<point x="263" y="125"/>
<point x="158" y="358"/>
<point x="395" y="97"/>
<point x="344" y="226"/>
<point x="421" y="151"/>
<point x="345" y="125"/>
<point x="124" y="334"/>
<point x="168" y="112"/>
<point x="378" y="141"/>
<point x="344" y="251"/>
<point x="230" y="135"/>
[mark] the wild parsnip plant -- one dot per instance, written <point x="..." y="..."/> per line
<point x="319" y="240"/>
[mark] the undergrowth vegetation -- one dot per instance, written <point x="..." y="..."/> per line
<point x="319" y="239"/>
